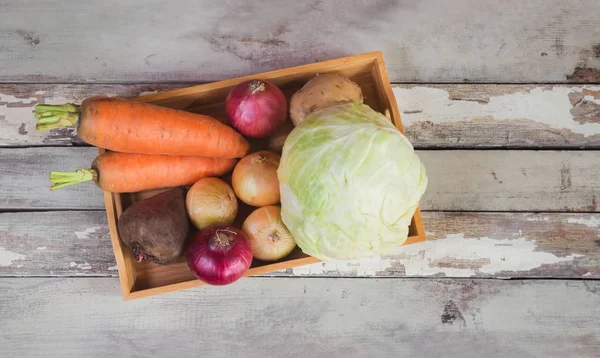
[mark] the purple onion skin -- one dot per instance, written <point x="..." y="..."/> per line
<point x="219" y="255"/>
<point x="256" y="108"/>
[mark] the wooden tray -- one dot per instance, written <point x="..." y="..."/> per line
<point x="145" y="279"/>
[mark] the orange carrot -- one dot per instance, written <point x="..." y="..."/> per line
<point x="129" y="126"/>
<point x="127" y="172"/>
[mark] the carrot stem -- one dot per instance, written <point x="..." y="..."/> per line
<point x="52" y="116"/>
<point x="67" y="107"/>
<point x="62" y="179"/>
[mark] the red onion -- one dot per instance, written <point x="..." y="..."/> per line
<point x="219" y="254"/>
<point x="256" y="108"/>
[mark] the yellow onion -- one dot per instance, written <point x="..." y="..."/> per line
<point x="211" y="201"/>
<point x="254" y="178"/>
<point x="270" y="238"/>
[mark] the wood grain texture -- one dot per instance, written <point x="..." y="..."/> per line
<point x="487" y="245"/>
<point x="476" y="180"/>
<point x="25" y="179"/>
<point x="342" y="317"/>
<point x="484" y="41"/>
<point x="58" y="243"/>
<point x="500" y="116"/>
<point x="463" y="180"/>
<point x="435" y="116"/>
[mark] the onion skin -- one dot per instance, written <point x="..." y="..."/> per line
<point x="211" y="201"/>
<point x="219" y="255"/>
<point x="256" y="108"/>
<point x="271" y="240"/>
<point x="254" y="179"/>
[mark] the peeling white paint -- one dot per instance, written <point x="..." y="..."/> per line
<point x="453" y="256"/>
<point x="360" y="267"/>
<point x="12" y="99"/>
<point x="56" y="100"/>
<point x="593" y="221"/>
<point x="587" y="274"/>
<point x="7" y="257"/>
<point x="15" y="117"/>
<point x="517" y="254"/>
<point x="520" y="233"/>
<point x="551" y="107"/>
<point x="19" y="266"/>
<point x="41" y="248"/>
<point x="113" y="268"/>
<point x="84" y="266"/>
<point x="85" y="234"/>
<point x="589" y="98"/>
<point x="537" y="218"/>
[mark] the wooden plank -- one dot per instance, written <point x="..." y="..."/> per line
<point x="462" y="180"/>
<point x="480" y="180"/>
<point x="435" y="116"/>
<point x="459" y="245"/>
<point x="507" y="116"/>
<point x="25" y="179"/>
<point x="56" y="243"/>
<point x="259" y="316"/>
<point x="477" y="41"/>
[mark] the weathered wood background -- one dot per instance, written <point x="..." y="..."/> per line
<point x="433" y="41"/>
<point x="501" y="100"/>
<point x="445" y="116"/>
<point x="262" y="317"/>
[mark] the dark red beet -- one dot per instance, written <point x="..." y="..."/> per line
<point x="156" y="228"/>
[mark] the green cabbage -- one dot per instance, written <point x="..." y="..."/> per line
<point x="350" y="183"/>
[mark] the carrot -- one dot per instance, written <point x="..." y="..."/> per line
<point x="130" y="126"/>
<point x="127" y="172"/>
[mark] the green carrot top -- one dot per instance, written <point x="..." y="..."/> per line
<point x="51" y="116"/>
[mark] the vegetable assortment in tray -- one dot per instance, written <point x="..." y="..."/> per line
<point x="211" y="183"/>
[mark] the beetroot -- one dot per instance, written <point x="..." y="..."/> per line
<point x="156" y="229"/>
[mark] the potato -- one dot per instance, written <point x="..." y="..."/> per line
<point x="156" y="229"/>
<point x="320" y="92"/>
